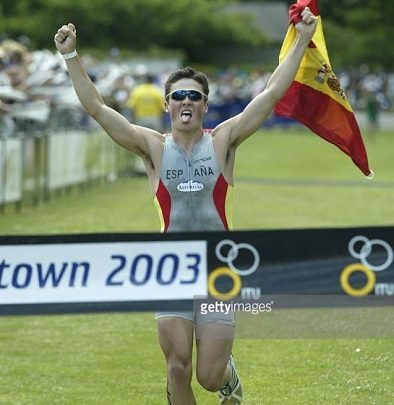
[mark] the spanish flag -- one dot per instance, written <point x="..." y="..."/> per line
<point x="315" y="98"/>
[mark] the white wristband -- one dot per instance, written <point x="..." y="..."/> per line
<point x="70" y="55"/>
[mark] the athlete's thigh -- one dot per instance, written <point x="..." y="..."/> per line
<point x="176" y="337"/>
<point x="214" y="343"/>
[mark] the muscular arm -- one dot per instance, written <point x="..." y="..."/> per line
<point x="132" y="137"/>
<point x="240" y="127"/>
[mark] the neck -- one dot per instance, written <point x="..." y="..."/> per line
<point x="187" y="140"/>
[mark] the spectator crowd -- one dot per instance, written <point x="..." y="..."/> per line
<point x="35" y="90"/>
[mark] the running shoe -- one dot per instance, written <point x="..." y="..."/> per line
<point x="231" y="393"/>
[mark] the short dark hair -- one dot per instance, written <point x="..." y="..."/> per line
<point x="149" y="78"/>
<point x="187" y="73"/>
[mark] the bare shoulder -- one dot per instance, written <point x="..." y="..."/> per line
<point x="154" y="141"/>
<point x="151" y="138"/>
<point x="153" y="135"/>
<point x="222" y="133"/>
<point x="221" y="139"/>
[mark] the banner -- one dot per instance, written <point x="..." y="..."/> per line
<point x="149" y="272"/>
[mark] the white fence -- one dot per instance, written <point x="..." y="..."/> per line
<point x="10" y="170"/>
<point x="33" y="165"/>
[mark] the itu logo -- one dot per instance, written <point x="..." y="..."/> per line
<point x="229" y="256"/>
<point x="362" y="249"/>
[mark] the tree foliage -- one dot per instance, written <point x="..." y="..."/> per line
<point x="360" y="31"/>
<point x="188" y="25"/>
<point x="357" y="31"/>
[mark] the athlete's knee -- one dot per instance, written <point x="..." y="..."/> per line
<point x="210" y="378"/>
<point x="179" y="371"/>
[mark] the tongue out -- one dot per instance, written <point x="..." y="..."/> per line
<point x="185" y="118"/>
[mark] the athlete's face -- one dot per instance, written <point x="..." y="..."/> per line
<point x="186" y="114"/>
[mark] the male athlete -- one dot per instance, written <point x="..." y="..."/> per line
<point x="191" y="174"/>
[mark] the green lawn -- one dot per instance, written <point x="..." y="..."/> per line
<point x="115" y="359"/>
<point x="284" y="180"/>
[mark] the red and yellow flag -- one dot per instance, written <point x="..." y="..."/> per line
<point x="315" y="98"/>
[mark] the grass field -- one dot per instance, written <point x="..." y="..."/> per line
<point x="284" y="180"/>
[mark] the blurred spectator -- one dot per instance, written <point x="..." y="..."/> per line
<point x="372" y="109"/>
<point x="146" y="103"/>
<point x="15" y="61"/>
<point x="35" y="88"/>
<point x="7" y="125"/>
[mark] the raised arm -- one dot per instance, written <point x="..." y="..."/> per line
<point x="238" y="128"/>
<point x="134" y="138"/>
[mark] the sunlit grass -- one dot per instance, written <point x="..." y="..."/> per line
<point x="115" y="358"/>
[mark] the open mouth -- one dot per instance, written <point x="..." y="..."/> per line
<point x="186" y="116"/>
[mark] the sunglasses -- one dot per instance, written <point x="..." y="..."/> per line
<point x="179" y="95"/>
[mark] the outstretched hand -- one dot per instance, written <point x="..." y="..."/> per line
<point x="307" y="26"/>
<point x="66" y="39"/>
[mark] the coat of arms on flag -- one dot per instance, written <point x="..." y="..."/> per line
<point x="315" y="97"/>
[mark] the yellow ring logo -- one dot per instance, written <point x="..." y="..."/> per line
<point x="357" y="292"/>
<point x="224" y="271"/>
<point x="232" y="270"/>
<point x="366" y="267"/>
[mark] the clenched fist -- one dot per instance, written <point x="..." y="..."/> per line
<point x="308" y="24"/>
<point x="66" y="39"/>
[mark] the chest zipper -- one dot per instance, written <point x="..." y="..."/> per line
<point x="189" y="175"/>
